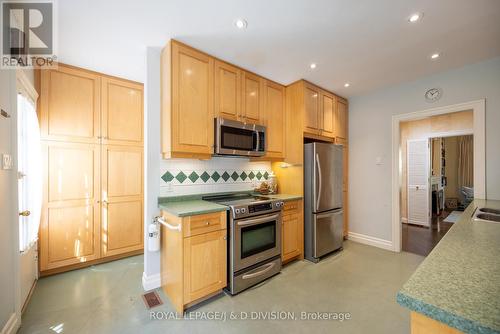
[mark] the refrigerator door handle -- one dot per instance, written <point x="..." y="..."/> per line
<point x="318" y="197"/>
<point x="328" y="214"/>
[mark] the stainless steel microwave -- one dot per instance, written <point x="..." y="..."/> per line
<point x="238" y="138"/>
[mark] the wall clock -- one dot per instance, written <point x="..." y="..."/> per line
<point x="433" y="94"/>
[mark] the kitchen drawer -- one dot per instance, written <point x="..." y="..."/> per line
<point x="199" y="224"/>
<point x="291" y="206"/>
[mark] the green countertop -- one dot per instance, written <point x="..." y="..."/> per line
<point x="459" y="282"/>
<point x="189" y="205"/>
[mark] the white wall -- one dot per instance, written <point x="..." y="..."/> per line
<point x="370" y="137"/>
<point x="9" y="232"/>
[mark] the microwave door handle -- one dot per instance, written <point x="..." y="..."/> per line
<point x="258" y="140"/>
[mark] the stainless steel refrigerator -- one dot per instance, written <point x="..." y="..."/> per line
<point x="323" y="211"/>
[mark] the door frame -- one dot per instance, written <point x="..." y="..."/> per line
<point x="478" y="108"/>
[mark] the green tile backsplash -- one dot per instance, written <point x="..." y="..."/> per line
<point x="185" y="177"/>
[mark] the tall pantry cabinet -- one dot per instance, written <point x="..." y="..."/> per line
<point x="92" y="141"/>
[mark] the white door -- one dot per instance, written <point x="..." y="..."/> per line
<point x="29" y="188"/>
<point x="418" y="193"/>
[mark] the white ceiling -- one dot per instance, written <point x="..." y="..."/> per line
<point x="365" y="42"/>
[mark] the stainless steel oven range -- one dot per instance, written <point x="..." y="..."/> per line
<point x="254" y="245"/>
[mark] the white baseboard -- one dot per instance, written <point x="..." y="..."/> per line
<point x="371" y="241"/>
<point x="150" y="282"/>
<point x="12" y="325"/>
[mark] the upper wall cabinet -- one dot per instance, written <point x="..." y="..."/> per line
<point x="70" y="105"/>
<point x="252" y="107"/>
<point x="187" y="79"/>
<point x="312" y="103"/>
<point x="274" y="105"/>
<point x="340" y="119"/>
<point x="227" y="91"/>
<point x="327" y="114"/>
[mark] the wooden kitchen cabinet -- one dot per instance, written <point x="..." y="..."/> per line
<point x="187" y="98"/>
<point x="340" y="120"/>
<point x="205" y="265"/>
<point x="274" y="105"/>
<point x="92" y="210"/>
<point x="312" y="103"/>
<point x="292" y="232"/>
<point x="70" y="107"/>
<point x="122" y="112"/>
<point x="122" y="199"/>
<point x="227" y="90"/>
<point x="70" y="221"/>
<point x="193" y="258"/>
<point x="327" y="111"/>
<point x="252" y="106"/>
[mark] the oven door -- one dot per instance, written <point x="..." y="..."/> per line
<point x="238" y="138"/>
<point x="256" y="239"/>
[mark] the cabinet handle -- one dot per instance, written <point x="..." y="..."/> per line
<point x="207" y="223"/>
<point x="224" y="237"/>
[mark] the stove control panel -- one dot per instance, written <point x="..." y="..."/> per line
<point x="258" y="208"/>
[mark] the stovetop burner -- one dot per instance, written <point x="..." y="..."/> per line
<point x="246" y="204"/>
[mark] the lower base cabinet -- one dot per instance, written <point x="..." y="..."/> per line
<point x="292" y="232"/>
<point x="193" y="258"/>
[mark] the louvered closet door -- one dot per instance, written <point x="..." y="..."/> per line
<point x="418" y="165"/>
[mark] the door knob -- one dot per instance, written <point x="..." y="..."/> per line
<point x="25" y="213"/>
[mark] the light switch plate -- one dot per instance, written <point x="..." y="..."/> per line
<point x="6" y="161"/>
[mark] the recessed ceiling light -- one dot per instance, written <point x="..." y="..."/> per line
<point x="435" y="56"/>
<point x="240" y="23"/>
<point x="415" y="17"/>
<point x="312" y="66"/>
<point x="347" y="84"/>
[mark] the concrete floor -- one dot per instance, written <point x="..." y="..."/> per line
<point x="106" y="298"/>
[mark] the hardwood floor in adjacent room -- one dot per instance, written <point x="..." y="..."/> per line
<point x="421" y="240"/>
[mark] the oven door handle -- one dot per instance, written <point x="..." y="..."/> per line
<point x="257" y="220"/>
<point x="268" y="266"/>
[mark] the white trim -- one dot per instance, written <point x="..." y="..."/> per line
<point x="151" y="282"/>
<point x="12" y="325"/>
<point x="478" y="108"/>
<point x="371" y="241"/>
<point x="25" y="85"/>
<point x="404" y="220"/>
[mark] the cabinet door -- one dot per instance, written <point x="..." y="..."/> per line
<point x="227" y="90"/>
<point x="70" y="222"/>
<point x="312" y="109"/>
<point x="69" y="105"/>
<point x="204" y="264"/>
<point x="192" y="119"/>
<point x="340" y="121"/>
<point x="327" y="114"/>
<point x="252" y="104"/>
<point x="122" y="194"/>
<point x="274" y="97"/>
<point x="290" y="236"/>
<point x="122" y="112"/>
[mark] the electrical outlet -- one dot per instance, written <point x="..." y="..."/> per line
<point x="169" y="187"/>
<point x="6" y="161"/>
